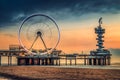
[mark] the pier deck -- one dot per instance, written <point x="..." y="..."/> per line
<point x="51" y="59"/>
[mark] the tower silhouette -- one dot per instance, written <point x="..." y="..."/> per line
<point x="100" y="56"/>
<point x="100" y="31"/>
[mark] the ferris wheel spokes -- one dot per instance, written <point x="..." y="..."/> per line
<point x="39" y="26"/>
<point x="33" y="42"/>
<point x="43" y="42"/>
<point x="39" y="34"/>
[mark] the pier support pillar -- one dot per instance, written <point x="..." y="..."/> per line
<point x="59" y="61"/>
<point x="32" y="61"/>
<point x="21" y="61"/>
<point x="66" y="61"/>
<point x="0" y="60"/>
<point x="50" y="61"/>
<point x="42" y="61"/>
<point x="70" y="61"/>
<point x="38" y="61"/>
<point x="84" y="60"/>
<point x="27" y="61"/>
<point x="99" y="61"/>
<point x="94" y="61"/>
<point x="108" y="61"/>
<point x="8" y="60"/>
<point x="46" y="61"/>
<point x="90" y="61"/>
<point x="75" y="61"/>
<point x="105" y="60"/>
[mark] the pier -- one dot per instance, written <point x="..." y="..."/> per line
<point x="55" y="59"/>
<point x="24" y="56"/>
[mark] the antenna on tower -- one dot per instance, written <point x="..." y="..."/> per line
<point x="100" y="21"/>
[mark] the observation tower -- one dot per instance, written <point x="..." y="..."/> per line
<point x="100" y="31"/>
<point x="100" y="56"/>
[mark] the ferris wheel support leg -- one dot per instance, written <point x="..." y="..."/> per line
<point x="43" y="42"/>
<point x="33" y="43"/>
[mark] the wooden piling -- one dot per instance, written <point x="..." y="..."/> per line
<point x="0" y="60"/>
<point x="66" y="60"/>
<point x="59" y="61"/>
<point x="75" y="61"/>
<point x="8" y="60"/>
<point x="70" y="61"/>
<point x="94" y="61"/>
<point x="90" y="61"/>
<point x="109" y="61"/>
<point x="84" y="60"/>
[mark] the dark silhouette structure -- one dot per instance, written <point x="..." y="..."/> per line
<point x="101" y="56"/>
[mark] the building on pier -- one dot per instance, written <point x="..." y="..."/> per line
<point x="100" y="56"/>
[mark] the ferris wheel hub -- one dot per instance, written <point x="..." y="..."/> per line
<point x="39" y="33"/>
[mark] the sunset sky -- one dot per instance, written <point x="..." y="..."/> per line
<point x="75" y="18"/>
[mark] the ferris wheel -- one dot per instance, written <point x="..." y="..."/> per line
<point x="39" y="32"/>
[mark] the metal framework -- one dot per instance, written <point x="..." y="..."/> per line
<point x="101" y="55"/>
<point x="39" y="33"/>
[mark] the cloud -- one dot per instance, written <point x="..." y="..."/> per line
<point x="14" y="11"/>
